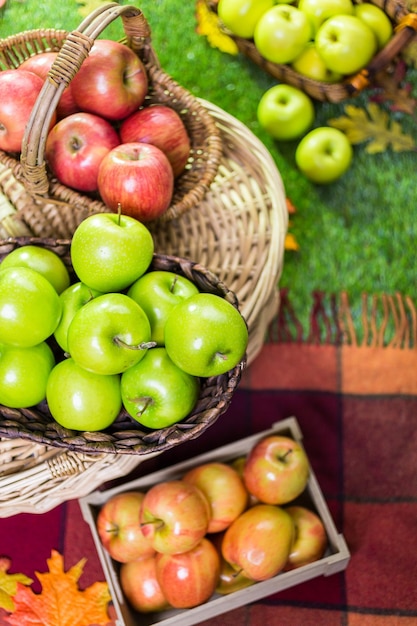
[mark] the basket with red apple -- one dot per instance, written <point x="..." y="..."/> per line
<point x="45" y="205"/>
<point x="305" y="72"/>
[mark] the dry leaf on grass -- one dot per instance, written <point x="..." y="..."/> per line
<point x="9" y="584"/>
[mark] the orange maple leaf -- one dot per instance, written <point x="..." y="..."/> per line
<point x="61" y="602"/>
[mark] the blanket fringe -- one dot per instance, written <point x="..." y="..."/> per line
<point x="381" y="320"/>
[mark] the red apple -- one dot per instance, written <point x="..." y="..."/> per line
<point x="257" y="544"/>
<point x="141" y="587"/>
<point x="229" y="579"/>
<point x="224" y="490"/>
<point x="162" y="127"/>
<point x="139" y="177"/>
<point x="111" y="82"/>
<point x="19" y="90"/>
<point x="75" y="148"/>
<point x="174" y="516"/>
<point x="276" y="469"/>
<point x="40" y="64"/>
<point x="310" y="537"/>
<point x="190" y="578"/>
<point x="119" y="529"/>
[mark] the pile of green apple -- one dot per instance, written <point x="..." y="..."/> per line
<point x="103" y="138"/>
<point x="110" y="332"/>
<point x="219" y="527"/>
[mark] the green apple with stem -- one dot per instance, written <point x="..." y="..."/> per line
<point x="157" y="292"/>
<point x="30" y="308"/>
<point x="81" y="400"/>
<point x="241" y="16"/>
<point x="109" y="334"/>
<point x="324" y="155"/>
<point x="285" y="112"/>
<point x="205" y="335"/>
<point x="24" y="374"/>
<point x="320" y="10"/>
<point x="156" y="393"/>
<point x="110" y="251"/>
<point x="43" y="261"/>
<point x="282" y="33"/>
<point x="73" y="298"/>
<point x="377" y="20"/>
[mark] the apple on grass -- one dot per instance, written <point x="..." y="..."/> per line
<point x="75" y="147"/>
<point x="72" y="299"/>
<point x="276" y="469"/>
<point x="43" y="261"/>
<point x="156" y="393"/>
<point x="310" y="537"/>
<point x="241" y="16"/>
<point x="19" y="90"/>
<point x="157" y="292"/>
<point x="377" y="20"/>
<point x="324" y="155"/>
<point x="224" y="490"/>
<point x="24" y="374"/>
<point x="345" y="43"/>
<point x="309" y="63"/>
<point x="119" y="529"/>
<point x="320" y="10"/>
<point x="285" y="112"/>
<point x="189" y="579"/>
<point x="110" y="251"/>
<point x="282" y="33"/>
<point x="80" y="400"/>
<point x="141" y="587"/>
<point x="205" y="335"/>
<point x="111" y="82"/>
<point x="137" y="177"/>
<point x="30" y="308"/>
<point x="109" y="334"/>
<point x="161" y="126"/>
<point x="174" y="516"/>
<point x="257" y="544"/>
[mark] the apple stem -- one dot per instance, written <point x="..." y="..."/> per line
<point x="174" y="282"/>
<point x="283" y="457"/>
<point x="145" y="345"/>
<point x="143" y="403"/>
<point x="237" y="572"/>
<point x="158" y="523"/>
<point x="119" y="213"/>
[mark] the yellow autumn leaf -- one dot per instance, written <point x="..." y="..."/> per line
<point x="208" y="26"/>
<point x="9" y="584"/>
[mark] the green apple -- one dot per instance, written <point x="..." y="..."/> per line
<point x="109" y="334"/>
<point x="377" y="20"/>
<point x="157" y="393"/>
<point x="345" y="43"/>
<point x="23" y="374"/>
<point x="205" y="335"/>
<point x="320" y="10"/>
<point x="285" y="112"/>
<point x="324" y="155"/>
<point x="82" y="400"/>
<point x="157" y="292"/>
<point x="110" y="251"/>
<point x="309" y="63"/>
<point x="241" y="16"/>
<point x="282" y="33"/>
<point x="30" y="308"/>
<point x="72" y="298"/>
<point x="42" y="260"/>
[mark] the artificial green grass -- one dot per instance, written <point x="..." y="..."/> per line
<point x="356" y="235"/>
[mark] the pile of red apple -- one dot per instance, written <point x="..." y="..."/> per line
<point x="220" y="527"/>
<point x="115" y="333"/>
<point x="102" y="139"/>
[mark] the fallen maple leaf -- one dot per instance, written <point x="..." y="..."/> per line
<point x="9" y="584"/>
<point x="61" y="602"/>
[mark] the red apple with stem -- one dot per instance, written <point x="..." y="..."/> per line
<point x="276" y="469"/>
<point x="310" y="537"/>
<point x="40" y="64"/>
<point x="119" y="529"/>
<point x="141" y="587"/>
<point x="161" y="126"/>
<point x="111" y="82"/>
<point x="190" y="578"/>
<point x="75" y="148"/>
<point x="138" y="178"/>
<point x="174" y="516"/>
<point x="19" y="90"/>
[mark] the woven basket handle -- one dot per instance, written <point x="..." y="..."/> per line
<point x="69" y="59"/>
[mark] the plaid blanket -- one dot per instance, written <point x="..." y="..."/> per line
<point x="355" y="397"/>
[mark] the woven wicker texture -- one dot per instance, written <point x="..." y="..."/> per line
<point x="405" y="29"/>
<point x="54" y="205"/>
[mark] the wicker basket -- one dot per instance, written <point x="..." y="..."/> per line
<point x="405" y="29"/>
<point x="49" y="205"/>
